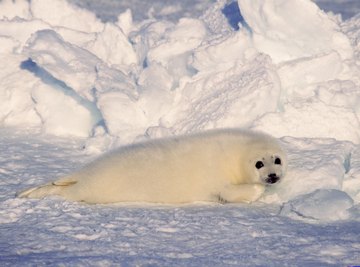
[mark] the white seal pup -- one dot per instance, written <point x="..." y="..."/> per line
<point x="228" y="165"/>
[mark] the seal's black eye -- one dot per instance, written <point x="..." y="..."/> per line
<point x="277" y="161"/>
<point x="259" y="164"/>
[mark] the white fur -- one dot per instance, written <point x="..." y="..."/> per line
<point x="217" y="165"/>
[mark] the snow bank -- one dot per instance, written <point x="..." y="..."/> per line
<point x="270" y="74"/>
<point x="283" y="67"/>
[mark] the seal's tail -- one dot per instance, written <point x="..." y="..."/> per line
<point x="54" y="188"/>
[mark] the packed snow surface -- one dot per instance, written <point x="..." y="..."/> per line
<point x="73" y="85"/>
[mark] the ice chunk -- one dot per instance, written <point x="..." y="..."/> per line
<point x="173" y="51"/>
<point x="311" y="118"/>
<point x="117" y="98"/>
<point x="125" y="22"/>
<point x="10" y="9"/>
<point x="20" y="29"/>
<point x="75" y="66"/>
<point x="288" y="30"/>
<point x="325" y="204"/>
<point x="74" y="37"/>
<point x="8" y="45"/>
<point x="186" y="36"/>
<point x="225" y="99"/>
<point x="112" y="46"/>
<point x="156" y="98"/>
<point x="62" y="13"/>
<point x="123" y="117"/>
<point x="62" y="113"/>
<point x="215" y="56"/>
<point x="17" y="106"/>
<point x="298" y="74"/>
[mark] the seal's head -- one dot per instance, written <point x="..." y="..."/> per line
<point x="267" y="161"/>
<point x="270" y="168"/>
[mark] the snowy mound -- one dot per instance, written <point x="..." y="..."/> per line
<point x="68" y="73"/>
<point x="283" y="67"/>
<point x="320" y="204"/>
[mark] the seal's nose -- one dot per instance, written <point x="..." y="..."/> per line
<point x="272" y="178"/>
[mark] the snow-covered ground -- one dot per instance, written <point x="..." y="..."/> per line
<point x="73" y="86"/>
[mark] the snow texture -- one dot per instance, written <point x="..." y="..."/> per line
<point x="76" y="82"/>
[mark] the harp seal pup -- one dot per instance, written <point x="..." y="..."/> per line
<point x="228" y="165"/>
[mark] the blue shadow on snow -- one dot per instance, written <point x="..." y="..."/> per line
<point x="233" y="14"/>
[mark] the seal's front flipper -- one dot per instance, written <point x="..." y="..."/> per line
<point x="241" y="193"/>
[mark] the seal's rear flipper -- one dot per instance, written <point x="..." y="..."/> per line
<point x="53" y="188"/>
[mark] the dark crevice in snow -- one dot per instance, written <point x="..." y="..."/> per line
<point x="347" y="163"/>
<point x="36" y="110"/>
<point x="102" y="122"/>
<point x="233" y="14"/>
<point x="145" y="63"/>
<point x="44" y="75"/>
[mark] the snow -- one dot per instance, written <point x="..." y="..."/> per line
<point x="80" y="79"/>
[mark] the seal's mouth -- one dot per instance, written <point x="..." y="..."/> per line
<point x="272" y="178"/>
